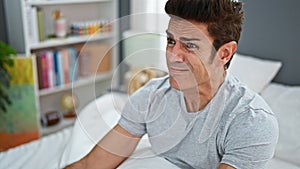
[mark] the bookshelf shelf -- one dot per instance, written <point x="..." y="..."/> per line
<point x="62" y="2"/>
<point x="62" y="124"/>
<point x="78" y="83"/>
<point x="70" y="40"/>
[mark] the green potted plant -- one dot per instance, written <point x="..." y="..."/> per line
<point x="6" y="52"/>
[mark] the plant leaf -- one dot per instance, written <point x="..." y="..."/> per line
<point x="6" y="51"/>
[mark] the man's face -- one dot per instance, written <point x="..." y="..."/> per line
<point x="189" y="54"/>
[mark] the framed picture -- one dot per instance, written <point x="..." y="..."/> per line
<point x="19" y="124"/>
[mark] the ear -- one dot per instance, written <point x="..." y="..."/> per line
<point x="226" y="51"/>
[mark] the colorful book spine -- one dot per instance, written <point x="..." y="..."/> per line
<point x="73" y="68"/>
<point x="84" y="68"/>
<point x="60" y="68"/>
<point x="31" y="18"/>
<point x="56" y="67"/>
<point x="50" y="68"/>
<point x="39" y="71"/>
<point x="34" y="25"/>
<point x="66" y="64"/>
<point x="40" y="20"/>
<point x="44" y="70"/>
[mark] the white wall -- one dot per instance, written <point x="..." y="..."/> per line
<point x="145" y="42"/>
<point x="148" y="15"/>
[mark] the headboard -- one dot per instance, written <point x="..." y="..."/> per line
<point x="272" y="31"/>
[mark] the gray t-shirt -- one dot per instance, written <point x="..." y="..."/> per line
<point x="236" y="127"/>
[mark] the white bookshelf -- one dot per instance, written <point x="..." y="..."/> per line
<point x="61" y="2"/>
<point x="79" y="83"/>
<point x="74" y="10"/>
<point x="70" y="40"/>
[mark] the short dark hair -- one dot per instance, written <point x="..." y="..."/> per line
<point x="224" y="18"/>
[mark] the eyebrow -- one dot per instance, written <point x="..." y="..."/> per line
<point x="169" y="34"/>
<point x="182" y="38"/>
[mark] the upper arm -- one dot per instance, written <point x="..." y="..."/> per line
<point x="119" y="142"/>
<point x="111" y="151"/>
<point x="225" y="166"/>
<point x="251" y="140"/>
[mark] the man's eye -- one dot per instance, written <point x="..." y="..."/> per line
<point x="171" y="41"/>
<point x="191" y="46"/>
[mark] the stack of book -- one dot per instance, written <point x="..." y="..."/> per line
<point x="57" y="67"/>
<point x="68" y="64"/>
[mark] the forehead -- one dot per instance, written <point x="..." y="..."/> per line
<point x="186" y="28"/>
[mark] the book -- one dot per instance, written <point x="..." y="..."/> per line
<point x="61" y="79"/>
<point x="84" y="60"/>
<point x="39" y="71"/>
<point x="65" y="64"/>
<point x="56" y="68"/>
<point x="44" y="69"/>
<point x="20" y="123"/>
<point x="31" y="18"/>
<point x="73" y="64"/>
<point x="34" y="25"/>
<point x="50" y="68"/>
<point x="40" y="21"/>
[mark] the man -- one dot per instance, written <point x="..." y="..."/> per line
<point x="199" y="116"/>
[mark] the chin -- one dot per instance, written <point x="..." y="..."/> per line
<point x="182" y="84"/>
<point x="174" y="84"/>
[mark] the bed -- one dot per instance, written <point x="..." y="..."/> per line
<point x="266" y="35"/>
<point x="97" y="118"/>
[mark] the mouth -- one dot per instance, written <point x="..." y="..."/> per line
<point x="178" y="70"/>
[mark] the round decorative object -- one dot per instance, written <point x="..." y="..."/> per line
<point x="69" y="102"/>
<point x="141" y="76"/>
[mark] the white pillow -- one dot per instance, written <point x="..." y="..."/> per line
<point x="284" y="101"/>
<point x="254" y="72"/>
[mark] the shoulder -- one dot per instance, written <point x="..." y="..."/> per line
<point x="137" y="106"/>
<point x="239" y="98"/>
<point x="249" y="128"/>
<point x="247" y="111"/>
<point x="253" y="124"/>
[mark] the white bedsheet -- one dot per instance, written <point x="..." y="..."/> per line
<point x="71" y="144"/>
<point x="45" y="153"/>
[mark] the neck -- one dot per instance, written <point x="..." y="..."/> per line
<point x="198" y="97"/>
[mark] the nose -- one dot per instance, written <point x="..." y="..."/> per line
<point x="175" y="53"/>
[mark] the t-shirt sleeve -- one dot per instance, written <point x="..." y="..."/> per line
<point x="132" y="117"/>
<point x="251" y="140"/>
<point x="134" y="113"/>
